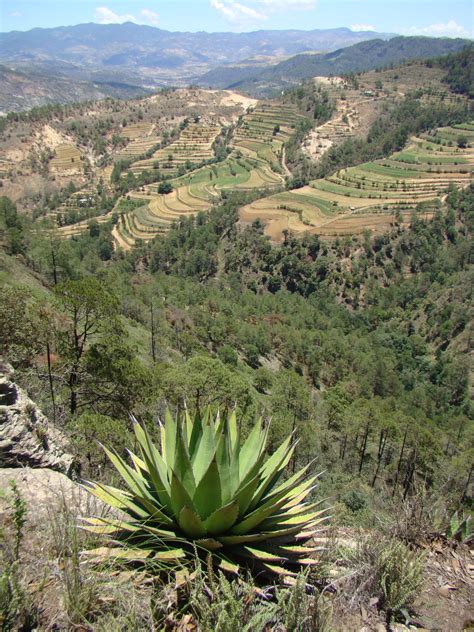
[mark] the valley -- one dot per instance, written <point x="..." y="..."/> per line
<point x="236" y="328"/>
<point x="205" y="144"/>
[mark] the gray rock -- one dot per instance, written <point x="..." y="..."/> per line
<point x="26" y="436"/>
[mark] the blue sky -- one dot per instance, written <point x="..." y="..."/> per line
<point x="409" y="17"/>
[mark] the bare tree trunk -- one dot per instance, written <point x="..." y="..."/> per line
<point x="342" y="452"/>
<point x="55" y="273"/>
<point x="363" y="448"/>
<point x="410" y="473"/>
<point x="400" y="459"/>
<point x="50" y="377"/>
<point x="466" y="486"/>
<point x="380" y="452"/>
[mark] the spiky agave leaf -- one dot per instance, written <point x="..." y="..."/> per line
<point x="202" y="490"/>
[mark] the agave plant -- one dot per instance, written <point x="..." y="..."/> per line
<point x="202" y="491"/>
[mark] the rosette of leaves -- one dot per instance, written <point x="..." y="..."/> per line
<point x="203" y="491"/>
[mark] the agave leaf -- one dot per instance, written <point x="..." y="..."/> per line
<point x="204" y="454"/>
<point x="258" y="515"/>
<point x="306" y="561"/>
<point x="252" y="520"/>
<point x="182" y="464"/>
<point x="285" y="496"/>
<point x="223" y="457"/>
<point x="134" y="480"/>
<point x="103" y="529"/>
<point x="131" y="554"/>
<point x="245" y="495"/>
<point x="233" y="430"/>
<point x="219" y="426"/>
<point x="254" y="470"/>
<point x="179" y="496"/>
<point x="222" y="519"/>
<point x="191" y="523"/>
<point x="234" y="469"/>
<point x="273" y="469"/>
<point x="301" y="519"/>
<point x="273" y="462"/>
<point x="116" y="499"/>
<point x="260" y="554"/>
<point x="207" y="497"/>
<point x="139" y="464"/>
<point x="156" y="467"/>
<point x="170" y="555"/>
<point x="296" y="550"/>
<point x="291" y="482"/>
<point x="169" y="447"/>
<point x="251" y="449"/>
<point x="159" y="534"/>
<point x="112" y="522"/>
<point x="210" y="544"/>
<point x="231" y="540"/>
<point x="142" y="506"/>
<point x="195" y="435"/>
<point x="228" y="566"/>
<point x="278" y="570"/>
<point x="189" y="427"/>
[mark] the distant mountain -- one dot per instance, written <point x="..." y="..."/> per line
<point x="27" y="89"/>
<point x="359" y="57"/>
<point x="156" y="56"/>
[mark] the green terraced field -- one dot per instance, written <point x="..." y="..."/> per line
<point x="368" y="196"/>
<point x="254" y="163"/>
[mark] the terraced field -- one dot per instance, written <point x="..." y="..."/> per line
<point x="139" y="146"/>
<point x="193" y="146"/>
<point x="133" y="131"/>
<point x="370" y="195"/>
<point x="67" y="160"/>
<point x="254" y="163"/>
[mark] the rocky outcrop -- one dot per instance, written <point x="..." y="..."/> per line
<point x="26" y="436"/>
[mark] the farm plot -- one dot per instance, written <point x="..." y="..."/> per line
<point x="138" y="147"/>
<point x="254" y="163"/>
<point x="67" y="160"/>
<point x="132" y="131"/>
<point x="193" y="147"/>
<point x="371" y="195"/>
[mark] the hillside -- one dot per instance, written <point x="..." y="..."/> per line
<point x="364" y="56"/>
<point x="359" y="347"/>
<point x="20" y="90"/>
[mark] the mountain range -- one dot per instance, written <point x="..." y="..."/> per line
<point x="92" y="61"/>
<point x="363" y="56"/>
<point x="132" y="53"/>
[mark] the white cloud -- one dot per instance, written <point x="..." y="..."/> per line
<point x="279" y="5"/>
<point x="16" y="14"/>
<point x="447" y="29"/>
<point x="149" y="17"/>
<point x="236" y="12"/>
<point x="362" y="27"/>
<point x="104" y="15"/>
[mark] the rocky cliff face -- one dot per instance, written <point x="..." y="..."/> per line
<point x="26" y="436"/>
